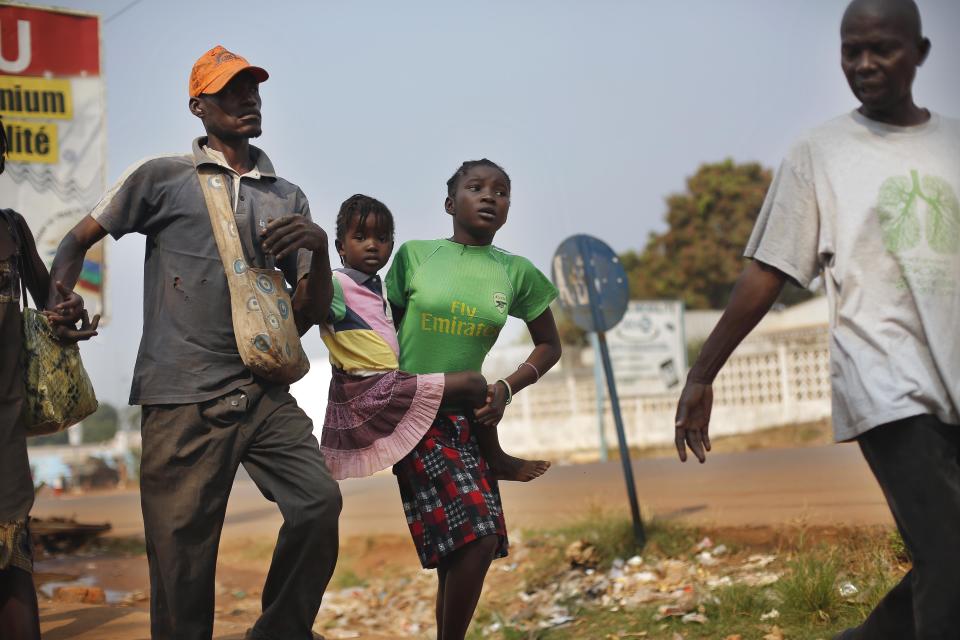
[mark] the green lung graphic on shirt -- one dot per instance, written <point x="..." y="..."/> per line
<point x="900" y="203"/>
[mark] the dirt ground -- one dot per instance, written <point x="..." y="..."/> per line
<point x="743" y="493"/>
<point x="120" y="568"/>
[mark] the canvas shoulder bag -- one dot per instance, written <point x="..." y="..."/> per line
<point x="260" y="306"/>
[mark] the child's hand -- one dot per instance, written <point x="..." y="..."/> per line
<point x="492" y="412"/>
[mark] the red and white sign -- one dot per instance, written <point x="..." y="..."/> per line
<point x="54" y="113"/>
<point x="46" y="42"/>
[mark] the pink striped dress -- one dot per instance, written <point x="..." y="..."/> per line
<point x="376" y="414"/>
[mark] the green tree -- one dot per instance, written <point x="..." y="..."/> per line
<point x="102" y="425"/>
<point x="698" y="258"/>
<point x="570" y="333"/>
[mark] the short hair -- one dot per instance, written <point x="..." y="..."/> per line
<point x="906" y="11"/>
<point x="454" y="180"/>
<point x="361" y="207"/>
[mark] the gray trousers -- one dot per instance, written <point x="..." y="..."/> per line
<point x="190" y="457"/>
<point x="917" y="463"/>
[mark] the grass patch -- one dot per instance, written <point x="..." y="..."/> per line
<point x="808" y="592"/>
<point x="739" y="604"/>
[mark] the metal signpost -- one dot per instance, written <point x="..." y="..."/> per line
<point x="594" y="292"/>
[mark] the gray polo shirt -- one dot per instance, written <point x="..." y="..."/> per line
<point x="188" y="352"/>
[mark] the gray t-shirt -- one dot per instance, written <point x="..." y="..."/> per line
<point x="874" y="209"/>
<point x="188" y="352"/>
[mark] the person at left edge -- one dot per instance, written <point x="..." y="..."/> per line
<point x="203" y="412"/>
<point x="22" y="269"/>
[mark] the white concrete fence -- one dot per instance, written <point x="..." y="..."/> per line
<point x="773" y="379"/>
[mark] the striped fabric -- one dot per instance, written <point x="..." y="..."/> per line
<point x="360" y="335"/>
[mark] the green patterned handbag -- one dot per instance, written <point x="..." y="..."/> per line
<point x="58" y="391"/>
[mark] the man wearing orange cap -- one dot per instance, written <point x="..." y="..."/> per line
<point x="204" y="413"/>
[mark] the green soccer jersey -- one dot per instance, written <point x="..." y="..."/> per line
<point x="457" y="298"/>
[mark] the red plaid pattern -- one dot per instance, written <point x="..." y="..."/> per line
<point x="448" y="495"/>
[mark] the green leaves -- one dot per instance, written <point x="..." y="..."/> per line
<point x="698" y="257"/>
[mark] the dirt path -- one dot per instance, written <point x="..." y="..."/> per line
<point x="818" y="486"/>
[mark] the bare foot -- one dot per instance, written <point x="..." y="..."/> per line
<point x="506" y="467"/>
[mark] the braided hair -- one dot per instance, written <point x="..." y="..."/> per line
<point x="454" y="180"/>
<point x="361" y="207"/>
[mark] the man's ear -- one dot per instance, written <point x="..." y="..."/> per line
<point x="448" y="205"/>
<point x="924" y="50"/>
<point x="196" y="107"/>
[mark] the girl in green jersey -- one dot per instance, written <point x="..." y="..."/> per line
<point x="450" y="299"/>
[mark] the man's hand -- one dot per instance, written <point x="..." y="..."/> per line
<point x="69" y="309"/>
<point x="693" y="420"/>
<point x="285" y="236"/>
<point x="65" y="314"/>
<point x="491" y="413"/>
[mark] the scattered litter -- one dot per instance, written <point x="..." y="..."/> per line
<point x="706" y="543"/>
<point x="676" y="589"/>
<point x="775" y="634"/>
<point x="848" y="590"/>
<point x="581" y="553"/>
<point x="758" y="561"/>
<point x="761" y="579"/>
<point x="773" y="614"/>
<point x="80" y="594"/>
<point x="694" y="617"/>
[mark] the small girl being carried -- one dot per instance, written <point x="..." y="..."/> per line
<point x="376" y="414"/>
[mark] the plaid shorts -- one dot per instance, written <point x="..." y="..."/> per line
<point x="448" y="495"/>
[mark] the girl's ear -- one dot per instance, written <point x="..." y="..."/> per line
<point x="340" y="249"/>
<point x="448" y="205"/>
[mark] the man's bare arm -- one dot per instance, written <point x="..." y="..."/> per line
<point x="755" y="292"/>
<point x="68" y="262"/>
<point x="65" y="271"/>
<point x="311" y="301"/>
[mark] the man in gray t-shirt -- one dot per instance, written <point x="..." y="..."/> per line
<point x="868" y="202"/>
<point x="204" y="413"/>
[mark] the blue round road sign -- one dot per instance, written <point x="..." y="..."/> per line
<point x="592" y="282"/>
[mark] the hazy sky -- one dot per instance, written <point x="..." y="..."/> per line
<point x="597" y="109"/>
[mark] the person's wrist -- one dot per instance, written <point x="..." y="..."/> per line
<point x="696" y="376"/>
<point x="508" y="398"/>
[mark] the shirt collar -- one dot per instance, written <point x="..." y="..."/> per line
<point x="358" y="276"/>
<point x="204" y="155"/>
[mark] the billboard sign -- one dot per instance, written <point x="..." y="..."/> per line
<point x="649" y="347"/>
<point x="53" y="110"/>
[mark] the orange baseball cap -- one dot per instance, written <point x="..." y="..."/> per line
<point x="214" y="69"/>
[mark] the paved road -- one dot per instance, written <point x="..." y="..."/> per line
<point x="821" y="485"/>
